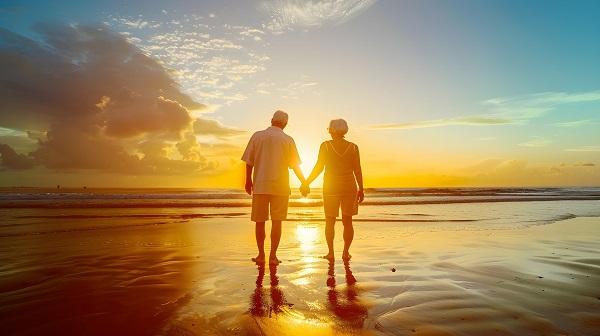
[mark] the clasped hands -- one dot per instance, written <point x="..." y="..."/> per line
<point x="305" y="189"/>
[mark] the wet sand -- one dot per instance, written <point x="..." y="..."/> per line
<point x="194" y="277"/>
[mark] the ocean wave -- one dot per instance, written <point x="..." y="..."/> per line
<point x="54" y="203"/>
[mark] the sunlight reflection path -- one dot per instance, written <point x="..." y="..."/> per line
<point x="307" y="237"/>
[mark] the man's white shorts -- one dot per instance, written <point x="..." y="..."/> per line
<point x="261" y="204"/>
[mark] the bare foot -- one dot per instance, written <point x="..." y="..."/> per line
<point x="260" y="259"/>
<point x="346" y="256"/>
<point x="274" y="261"/>
<point x="329" y="256"/>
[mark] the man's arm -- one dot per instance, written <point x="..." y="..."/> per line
<point x="304" y="189"/>
<point x="299" y="173"/>
<point x="249" y="185"/>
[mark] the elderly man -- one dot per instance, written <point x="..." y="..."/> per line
<point x="270" y="153"/>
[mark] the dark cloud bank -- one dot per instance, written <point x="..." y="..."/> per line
<point x="92" y="100"/>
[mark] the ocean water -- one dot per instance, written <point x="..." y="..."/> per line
<point x="34" y="211"/>
<point x="137" y="261"/>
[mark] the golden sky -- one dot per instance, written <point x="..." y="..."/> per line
<point x="453" y="93"/>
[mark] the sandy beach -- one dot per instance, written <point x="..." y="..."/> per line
<point x="183" y="276"/>
<point x="194" y="277"/>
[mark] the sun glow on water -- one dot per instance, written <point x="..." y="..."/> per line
<point x="304" y="200"/>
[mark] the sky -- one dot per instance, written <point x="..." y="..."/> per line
<point x="461" y="93"/>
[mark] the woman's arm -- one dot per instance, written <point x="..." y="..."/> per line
<point x="358" y="175"/>
<point x="319" y="166"/>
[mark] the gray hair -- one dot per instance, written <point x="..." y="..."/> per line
<point x="338" y="126"/>
<point x="280" y="117"/>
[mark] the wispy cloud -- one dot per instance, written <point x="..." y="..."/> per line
<point x="217" y="62"/>
<point x="293" y="90"/>
<point x="584" y="164"/>
<point x="526" y="107"/>
<point x="211" y="60"/>
<point x="575" y="123"/>
<point x="545" y="99"/>
<point x="288" y="15"/>
<point x="585" y="149"/>
<point x="511" y="110"/>
<point x="538" y="142"/>
<point x="474" y="120"/>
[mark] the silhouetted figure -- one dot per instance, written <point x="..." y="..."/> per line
<point x="341" y="161"/>
<point x="270" y="153"/>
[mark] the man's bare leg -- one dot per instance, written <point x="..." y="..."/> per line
<point x="275" y="238"/>
<point x="329" y="236"/>
<point x="259" y="231"/>
<point x="348" y="236"/>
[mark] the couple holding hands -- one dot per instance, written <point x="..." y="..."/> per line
<point x="268" y="156"/>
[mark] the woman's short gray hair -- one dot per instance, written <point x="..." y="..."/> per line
<point x="338" y="126"/>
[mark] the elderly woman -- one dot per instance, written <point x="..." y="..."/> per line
<point x="341" y="161"/>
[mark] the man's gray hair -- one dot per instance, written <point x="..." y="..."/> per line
<point x="280" y="117"/>
<point x="338" y="126"/>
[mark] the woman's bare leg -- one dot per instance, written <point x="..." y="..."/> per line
<point x="329" y="236"/>
<point x="348" y="236"/>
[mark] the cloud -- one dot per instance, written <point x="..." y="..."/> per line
<point x="530" y="106"/>
<point x="288" y="15"/>
<point x="585" y="149"/>
<point x="210" y="60"/>
<point x="132" y="115"/>
<point x="546" y="99"/>
<point x="511" y="110"/>
<point x="503" y="172"/>
<point x="139" y="24"/>
<point x="584" y="164"/>
<point x="190" y="149"/>
<point x="474" y="120"/>
<point x="93" y="100"/>
<point x="217" y="63"/>
<point x="575" y="123"/>
<point x="539" y="142"/>
<point x="293" y="90"/>
<point x="214" y="127"/>
<point x="12" y="160"/>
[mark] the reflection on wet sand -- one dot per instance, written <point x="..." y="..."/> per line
<point x="310" y="304"/>
<point x="344" y="301"/>
<point x="260" y="305"/>
<point x="269" y="312"/>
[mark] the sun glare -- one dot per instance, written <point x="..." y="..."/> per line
<point x="307" y="237"/>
